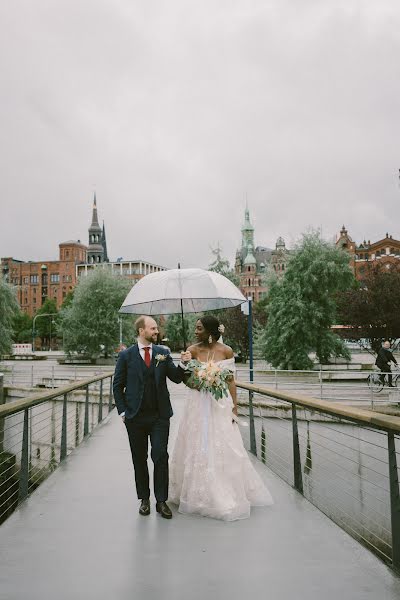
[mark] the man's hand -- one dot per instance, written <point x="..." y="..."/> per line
<point x="186" y="357"/>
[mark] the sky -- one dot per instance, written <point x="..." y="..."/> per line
<point x="177" y="111"/>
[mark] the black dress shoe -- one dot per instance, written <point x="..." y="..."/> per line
<point x="144" y="508"/>
<point x="164" y="510"/>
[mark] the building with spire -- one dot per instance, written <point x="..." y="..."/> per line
<point x="97" y="255"/>
<point x="37" y="281"/>
<point x="253" y="262"/>
<point x="97" y="248"/>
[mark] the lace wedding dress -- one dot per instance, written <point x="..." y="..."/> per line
<point x="210" y="471"/>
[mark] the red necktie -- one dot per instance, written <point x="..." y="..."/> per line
<point x="147" y="359"/>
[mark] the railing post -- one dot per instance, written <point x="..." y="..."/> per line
<point x="263" y="444"/>
<point x="298" y="479"/>
<point x="31" y="376"/>
<point x="53" y="462"/>
<point x="100" y="418"/>
<point x="24" y="472"/>
<point x="77" y="422"/>
<point x="320" y="382"/>
<point x="1" y="420"/>
<point x="86" y="421"/>
<point x="253" y="445"/>
<point x="110" y="397"/>
<point x="63" y="452"/>
<point x="394" y="501"/>
<point x="52" y="377"/>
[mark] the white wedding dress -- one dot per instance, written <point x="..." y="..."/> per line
<point x="210" y="470"/>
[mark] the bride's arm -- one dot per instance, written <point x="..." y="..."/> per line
<point x="233" y="392"/>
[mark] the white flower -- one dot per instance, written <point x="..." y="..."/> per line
<point x="221" y="328"/>
<point x="160" y="358"/>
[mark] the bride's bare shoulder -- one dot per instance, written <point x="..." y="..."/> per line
<point x="227" y="350"/>
<point x="194" y="350"/>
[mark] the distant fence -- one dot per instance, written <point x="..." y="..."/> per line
<point x="341" y="458"/>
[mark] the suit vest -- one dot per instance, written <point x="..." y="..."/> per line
<point x="149" y="404"/>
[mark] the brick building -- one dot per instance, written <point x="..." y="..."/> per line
<point x="36" y="282"/>
<point x="385" y="252"/>
<point x="253" y="263"/>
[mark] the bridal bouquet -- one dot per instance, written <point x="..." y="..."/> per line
<point x="208" y="377"/>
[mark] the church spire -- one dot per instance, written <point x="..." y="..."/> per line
<point x="95" y="219"/>
<point x="104" y="244"/>
<point x="247" y="231"/>
<point x="95" y="251"/>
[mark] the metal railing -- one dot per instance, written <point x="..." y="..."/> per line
<point x="350" y="387"/>
<point x="341" y="458"/>
<point x="37" y="433"/>
<point x="48" y="376"/>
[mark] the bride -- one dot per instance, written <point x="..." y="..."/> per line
<point x="210" y="471"/>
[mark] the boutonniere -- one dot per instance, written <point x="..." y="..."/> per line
<point x="160" y="358"/>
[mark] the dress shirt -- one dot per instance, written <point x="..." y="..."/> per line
<point x="142" y="347"/>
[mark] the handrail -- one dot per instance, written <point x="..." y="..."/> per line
<point x="18" y="405"/>
<point x="386" y="423"/>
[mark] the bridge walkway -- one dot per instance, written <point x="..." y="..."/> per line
<point x="79" y="536"/>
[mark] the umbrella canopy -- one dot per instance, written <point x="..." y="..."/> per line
<point x="181" y="290"/>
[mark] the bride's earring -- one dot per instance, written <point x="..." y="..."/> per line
<point x="210" y="339"/>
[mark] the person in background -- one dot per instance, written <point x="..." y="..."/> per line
<point x="383" y="360"/>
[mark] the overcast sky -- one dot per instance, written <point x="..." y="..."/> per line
<point x="174" y="110"/>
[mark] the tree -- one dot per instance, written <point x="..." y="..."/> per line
<point x="8" y="310"/>
<point x="45" y="325"/>
<point x="174" y="333"/>
<point x="22" y="327"/>
<point x="371" y="308"/>
<point x="221" y="265"/>
<point x="236" y="332"/>
<point x="90" y="324"/>
<point x="302" y="308"/>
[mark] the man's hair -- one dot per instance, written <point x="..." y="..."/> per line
<point x="140" y="323"/>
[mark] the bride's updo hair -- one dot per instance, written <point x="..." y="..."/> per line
<point x="211" y="324"/>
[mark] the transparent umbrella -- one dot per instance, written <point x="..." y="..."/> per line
<point x="181" y="291"/>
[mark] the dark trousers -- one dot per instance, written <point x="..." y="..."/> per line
<point x="386" y="369"/>
<point x="139" y="429"/>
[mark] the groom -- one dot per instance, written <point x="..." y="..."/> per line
<point x="142" y="399"/>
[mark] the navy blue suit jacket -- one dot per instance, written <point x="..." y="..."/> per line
<point x="128" y="383"/>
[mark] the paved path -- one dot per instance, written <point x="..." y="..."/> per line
<point x="79" y="536"/>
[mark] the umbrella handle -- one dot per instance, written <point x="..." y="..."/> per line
<point x="183" y="320"/>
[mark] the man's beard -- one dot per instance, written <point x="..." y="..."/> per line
<point x="150" y="338"/>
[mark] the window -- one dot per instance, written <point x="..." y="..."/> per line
<point x="55" y="278"/>
<point x="26" y="279"/>
<point x="34" y="279"/>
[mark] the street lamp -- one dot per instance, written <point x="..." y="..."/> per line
<point x="33" y="327"/>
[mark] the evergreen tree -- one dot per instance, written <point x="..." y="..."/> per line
<point x="301" y="306"/>
<point x="90" y="323"/>
<point x="8" y="310"/>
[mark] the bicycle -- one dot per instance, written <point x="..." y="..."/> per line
<point x="376" y="384"/>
